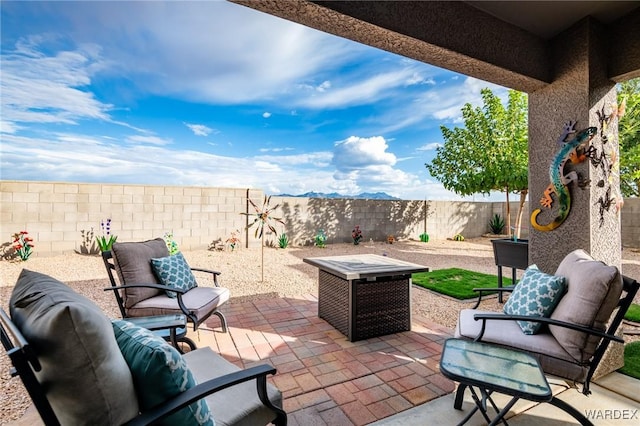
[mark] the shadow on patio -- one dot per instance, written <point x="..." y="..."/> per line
<point x="325" y="379"/>
<point x="393" y="379"/>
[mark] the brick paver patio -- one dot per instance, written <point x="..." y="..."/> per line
<point x="325" y="379"/>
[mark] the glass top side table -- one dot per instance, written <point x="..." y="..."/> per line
<point x="491" y="368"/>
<point x="172" y="328"/>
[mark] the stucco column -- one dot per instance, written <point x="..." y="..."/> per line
<point x="580" y="93"/>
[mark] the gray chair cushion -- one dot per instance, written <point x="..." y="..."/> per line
<point x="553" y="358"/>
<point x="247" y="410"/>
<point x="593" y="291"/>
<point x="200" y="300"/>
<point x="87" y="379"/>
<point x="133" y="264"/>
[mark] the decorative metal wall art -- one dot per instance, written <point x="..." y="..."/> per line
<point x="571" y="150"/>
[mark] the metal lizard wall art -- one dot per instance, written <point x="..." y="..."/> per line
<point x="574" y="151"/>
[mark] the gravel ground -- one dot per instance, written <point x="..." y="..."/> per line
<point x="285" y="275"/>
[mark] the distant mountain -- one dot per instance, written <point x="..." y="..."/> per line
<point x="364" y="195"/>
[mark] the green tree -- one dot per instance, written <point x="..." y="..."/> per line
<point x="629" y="137"/>
<point x="490" y="153"/>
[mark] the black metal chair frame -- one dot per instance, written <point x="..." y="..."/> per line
<point x="25" y="364"/>
<point x="109" y="264"/>
<point x="629" y="291"/>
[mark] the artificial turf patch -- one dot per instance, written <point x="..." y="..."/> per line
<point x="633" y="313"/>
<point x="457" y="283"/>
<point x="631" y="360"/>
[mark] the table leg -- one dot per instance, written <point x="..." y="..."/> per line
<point x="481" y="404"/>
<point x="500" y="283"/>
<point x="500" y="417"/>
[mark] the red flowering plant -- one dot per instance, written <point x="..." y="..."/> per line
<point x="23" y="244"/>
<point x="356" y="234"/>
<point x="106" y="240"/>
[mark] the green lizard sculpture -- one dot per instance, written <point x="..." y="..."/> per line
<point x="573" y="151"/>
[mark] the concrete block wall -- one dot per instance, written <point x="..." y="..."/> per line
<point x="377" y="219"/>
<point x="57" y="215"/>
<point x="630" y="226"/>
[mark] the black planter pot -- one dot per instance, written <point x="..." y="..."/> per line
<point x="512" y="254"/>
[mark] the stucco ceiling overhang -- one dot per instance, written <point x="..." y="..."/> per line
<point x="507" y="43"/>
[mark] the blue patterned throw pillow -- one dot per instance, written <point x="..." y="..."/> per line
<point x="159" y="373"/>
<point x="536" y="295"/>
<point x="174" y="271"/>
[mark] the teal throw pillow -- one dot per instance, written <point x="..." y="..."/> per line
<point x="159" y="373"/>
<point x="174" y="271"/>
<point x="537" y="295"/>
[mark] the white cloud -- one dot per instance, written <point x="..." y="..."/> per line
<point x="430" y="146"/>
<point x="151" y="140"/>
<point x="50" y="89"/>
<point x="359" y="91"/>
<point x="324" y="86"/>
<point x="8" y="127"/>
<point x="417" y="78"/>
<point x="356" y="152"/>
<point x="266" y="114"/>
<point x="444" y="104"/>
<point x="277" y="149"/>
<point x="199" y="129"/>
<point x="212" y="52"/>
<point x="311" y="159"/>
<point x="73" y="158"/>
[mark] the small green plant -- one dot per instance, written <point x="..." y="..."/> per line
<point x="320" y="239"/>
<point x="106" y="240"/>
<point x="424" y="237"/>
<point x="172" y="246"/>
<point x="356" y="234"/>
<point x="283" y="241"/>
<point x="458" y="237"/>
<point x="496" y="224"/>
<point x="23" y="245"/>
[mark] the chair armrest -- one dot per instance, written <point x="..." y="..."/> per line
<point x="507" y="289"/>
<point x="210" y="271"/>
<point x="203" y="389"/>
<point x="548" y="321"/>
<point x="213" y="273"/>
<point x="156" y="286"/>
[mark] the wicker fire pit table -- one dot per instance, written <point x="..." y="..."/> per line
<point x="365" y="295"/>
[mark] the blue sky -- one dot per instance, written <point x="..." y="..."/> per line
<point x="216" y="94"/>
